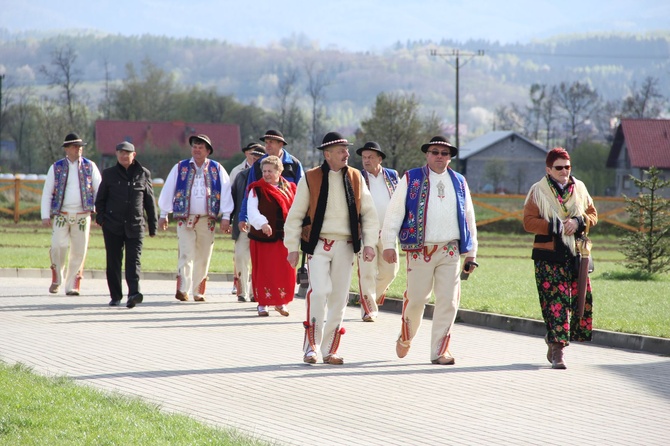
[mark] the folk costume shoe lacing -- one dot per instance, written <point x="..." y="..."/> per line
<point x="445" y="359"/>
<point x="333" y="359"/>
<point x="181" y="296"/>
<point x="281" y="309"/>
<point x="309" y="358"/>
<point x="401" y="348"/>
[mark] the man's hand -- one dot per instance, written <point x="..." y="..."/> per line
<point x="225" y="226"/>
<point x="46" y="222"/>
<point x="163" y="223"/>
<point x="243" y="226"/>
<point x="472" y="265"/>
<point x="293" y="258"/>
<point x="390" y="256"/>
<point x="368" y="254"/>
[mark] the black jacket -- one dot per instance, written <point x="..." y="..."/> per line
<point x="123" y="197"/>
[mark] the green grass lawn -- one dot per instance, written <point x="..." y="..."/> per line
<point x="503" y="284"/>
<point x="57" y="411"/>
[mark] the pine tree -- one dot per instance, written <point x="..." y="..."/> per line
<point x="648" y="250"/>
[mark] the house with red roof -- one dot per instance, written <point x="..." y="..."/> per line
<point x="164" y="136"/>
<point x="638" y="145"/>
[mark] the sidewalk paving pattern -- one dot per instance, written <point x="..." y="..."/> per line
<point x="220" y="363"/>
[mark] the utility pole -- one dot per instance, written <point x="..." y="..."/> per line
<point x="457" y="64"/>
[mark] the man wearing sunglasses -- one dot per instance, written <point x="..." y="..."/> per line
<point x="431" y="213"/>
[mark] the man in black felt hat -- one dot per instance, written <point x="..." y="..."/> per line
<point x="242" y="256"/>
<point x="68" y="199"/>
<point x="375" y="277"/>
<point x="431" y="212"/>
<point x="197" y="193"/>
<point x="332" y="218"/>
<point x="125" y="196"/>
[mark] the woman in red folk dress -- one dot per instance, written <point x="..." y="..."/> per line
<point x="272" y="277"/>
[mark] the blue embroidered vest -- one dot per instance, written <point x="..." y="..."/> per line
<point x="182" y="195"/>
<point x="390" y="178"/>
<point x="61" y="168"/>
<point x="413" y="229"/>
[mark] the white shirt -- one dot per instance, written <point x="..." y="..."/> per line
<point x="72" y="196"/>
<point x="198" y="200"/>
<point x="380" y="194"/>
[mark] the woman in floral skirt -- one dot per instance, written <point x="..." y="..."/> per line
<point x="558" y="209"/>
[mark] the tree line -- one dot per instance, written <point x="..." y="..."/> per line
<point x="300" y="103"/>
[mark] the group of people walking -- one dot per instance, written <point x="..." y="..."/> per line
<point x="334" y="215"/>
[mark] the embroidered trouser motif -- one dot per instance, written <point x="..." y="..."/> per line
<point x="70" y="233"/>
<point x="373" y="279"/>
<point x="330" y="270"/>
<point x="436" y="269"/>
<point x="195" y="252"/>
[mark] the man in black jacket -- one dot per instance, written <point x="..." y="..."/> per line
<point x="124" y="195"/>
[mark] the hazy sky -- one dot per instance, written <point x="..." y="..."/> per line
<point x="346" y="24"/>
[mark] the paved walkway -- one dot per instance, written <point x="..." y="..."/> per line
<point x="220" y="363"/>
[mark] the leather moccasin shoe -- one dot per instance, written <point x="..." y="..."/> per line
<point x="444" y="360"/>
<point x="199" y="298"/>
<point x="181" y="296"/>
<point x="241" y="299"/>
<point x="333" y="360"/>
<point x="309" y="358"/>
<point x="368" y="318"/>
<point x="401" y="349"/>
<point x="281" y="309"/>
<point x="54" y="288"/>
<point x="134" y="300"/>
<point x="72" y="293"/>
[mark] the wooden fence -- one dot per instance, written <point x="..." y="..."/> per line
<point x="20" y="197"/>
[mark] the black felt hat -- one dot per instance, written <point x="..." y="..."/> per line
<point x="253" y="146"/>
<point x="203" y="138"/>
<point x="273" y="134"/>
<point x="371" y="145"/>
<point x="441" y="141"/>
<point x="73" y="139"/>
<point x="332" y="139"/>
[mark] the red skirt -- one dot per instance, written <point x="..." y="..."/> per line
<point x="272" y="277"/>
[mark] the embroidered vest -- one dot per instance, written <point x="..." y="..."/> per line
<point x="390" y="178"/>
<point x="182" y="195"/>
<point x="61" y="168"/>
<point x="314" y="177"/>
<point x="413" y="229"/>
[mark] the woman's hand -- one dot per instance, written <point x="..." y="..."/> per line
<point x="267" y="230"/>
<point x="570" y="226"/>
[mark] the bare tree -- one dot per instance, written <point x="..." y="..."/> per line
<point x="645" y="102"/>
<point x="548" y="115"/>
<point x="317" y="81"/>
<point x="290" y="118"/>
<point x="65" y="76"/>
<point x="538" y="95"/>
<point x="578" y="101"/>
<point x="508" y="118"/>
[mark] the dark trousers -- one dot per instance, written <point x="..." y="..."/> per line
<point x="114" y="245"/>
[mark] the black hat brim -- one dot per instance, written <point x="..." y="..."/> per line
<point x="360" y="151"/>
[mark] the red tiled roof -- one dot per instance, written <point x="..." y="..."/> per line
<point x="163" y="135"/>
<point x="647" y="142"/>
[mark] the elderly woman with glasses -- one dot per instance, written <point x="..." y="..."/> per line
<point x="558" y="210"/>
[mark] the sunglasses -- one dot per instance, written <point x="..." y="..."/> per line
<point x="559" y="168"/>
<point x="436" y="153"/>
